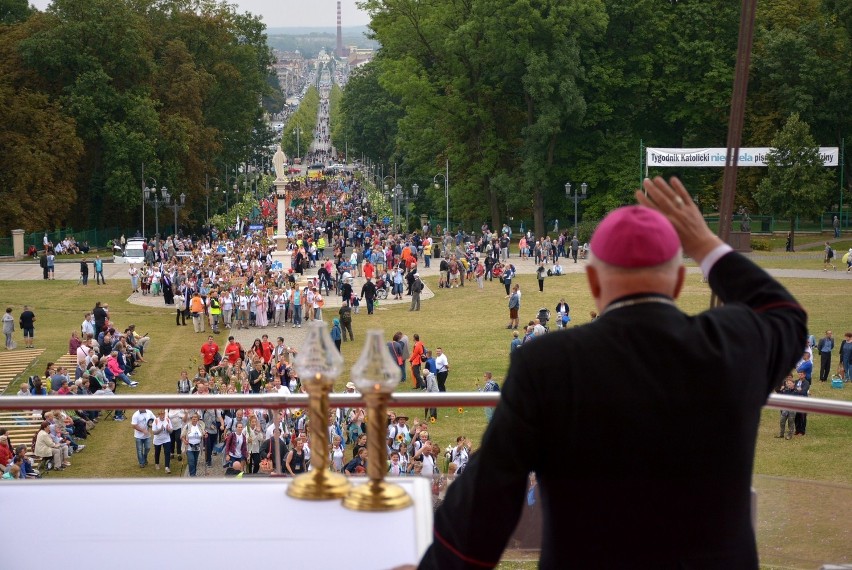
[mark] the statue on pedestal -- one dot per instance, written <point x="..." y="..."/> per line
<point x="278" y="161"/>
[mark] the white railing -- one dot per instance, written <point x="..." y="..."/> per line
<point x="276" y="401"/>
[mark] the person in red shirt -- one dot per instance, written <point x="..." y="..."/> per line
<point x="369" y="270"/>
<point x="267" y="348"/>
<point x="232" y="350"/>
<point x="209" y="350"/>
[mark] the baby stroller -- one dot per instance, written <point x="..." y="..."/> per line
<point x="543" y="317"/>
<point x="382" y="288"/>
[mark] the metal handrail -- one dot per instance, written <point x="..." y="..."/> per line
<point x="444" y="399"/>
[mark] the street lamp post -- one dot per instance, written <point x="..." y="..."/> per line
<point x="414" y="189"/>
<point x="225" y="191"/>
<point x="298" y="132"/>
<point x="157" y="200"/>
<point x="397" y="193"/>
<point x="387" y="191"/>
<point x="145" y="193"/>
<point x="207" y="180"/>
<point x="177" y="206"/>
<point x="446" y="177"/>
<point x="584" y="188"/>
<point x="143" y="199"/>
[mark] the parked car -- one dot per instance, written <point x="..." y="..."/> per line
<point x="134" y="252"/>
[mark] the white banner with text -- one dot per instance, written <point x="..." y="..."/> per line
<point x="715" y="157"/>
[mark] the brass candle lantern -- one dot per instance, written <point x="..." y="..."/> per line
<point x="376" y="375"/>
<point x="318" y="364"/>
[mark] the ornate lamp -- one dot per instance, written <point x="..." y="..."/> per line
<point x="376" y="375"/>
<point x="318" y="365"/>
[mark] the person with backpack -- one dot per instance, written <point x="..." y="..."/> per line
<point x="416" y="288"/>
<point x="829" y="256"/>
<point x="398" y="433"/>
<point x="490" y="385"/>
<point x="335" y="332"/>
<point x="345" y="313"/>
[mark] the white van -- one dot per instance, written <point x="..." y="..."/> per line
<point x="134" y="252"/>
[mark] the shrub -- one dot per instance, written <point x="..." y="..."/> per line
<point x="761" y="244"/>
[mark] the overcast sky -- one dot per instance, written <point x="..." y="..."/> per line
<point x="289" y="13"/>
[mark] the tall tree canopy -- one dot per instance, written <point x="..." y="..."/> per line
<point x="797" y="184"/>
<point x="171" y="84"/>
<point x="525" y="95"/>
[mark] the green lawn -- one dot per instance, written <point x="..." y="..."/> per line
<point x="469" y="325"/>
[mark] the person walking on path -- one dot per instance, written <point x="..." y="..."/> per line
<point x="368" y="292"/>
<point x="514" y="307"/>
<point x="134" y="277"/>
<point x="846" y="356"/>
<point x="42" y="261"/>
<point x="679" y="495"/>
<point x="51" y="264"/>
<point x="540" y="274"/>
<point x="345" y="313"/>
<point x="575" y="248"/>
<point x="9" y="328"/>
<point x="443" y="367"/>
<point x="416" y="288"/>
<point x="141" y="423"/>
<point x="99" y="270"/>
<point x="825" y="346"/>
<point x="27" y="324"/>
<point x="84" y="271"/>
<point x="829" y="256"/>
<point x="508" y="274"/>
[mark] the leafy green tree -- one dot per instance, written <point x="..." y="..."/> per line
<point x="39" y="147"/>
<point x="369" y="114"/>
<point x="797" y="183"/>
<point x="303" y="120"/>
<point x="14" y="11"/>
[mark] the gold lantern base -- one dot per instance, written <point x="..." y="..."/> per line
<point x="319" y="486"/>
<point x="377" y="496"/>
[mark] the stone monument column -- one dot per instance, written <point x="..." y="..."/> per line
<point x="18" y="243"/>
<point x="281" y="253"/>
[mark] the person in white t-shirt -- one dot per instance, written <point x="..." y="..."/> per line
<point x="317" y="304"/>
<point x="280" y="301"/>
<point x="141" y="422"/>
<point x="424" y="455"/>
<point x="227" y="308"/>
<point x="243" y="302"/>
<point x="308" y="303"/>
<point x="162" y="430"/>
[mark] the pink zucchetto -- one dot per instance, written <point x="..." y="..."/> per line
<point x="634" y="237"/>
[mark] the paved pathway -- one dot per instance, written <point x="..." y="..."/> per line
<point x="69" y="271"/>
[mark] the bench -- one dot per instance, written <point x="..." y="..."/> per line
<point x="13" y="363"/>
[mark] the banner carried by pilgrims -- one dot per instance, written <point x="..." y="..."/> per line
<point x="715" y="157"/>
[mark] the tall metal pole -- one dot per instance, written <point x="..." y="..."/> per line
<point x="143" y="199"/>
<point x="840" y="162"/>
<point x="576" y="191"/>
<point x="156" y="216"/>
<point x="207" y="193"/>
<point x="447" y="193"/>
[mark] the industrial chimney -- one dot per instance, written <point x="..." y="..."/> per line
<point x="339" y="50"/>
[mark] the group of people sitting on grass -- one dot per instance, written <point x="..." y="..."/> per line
<point x="104" y="357"/>
<point x="58" y="437"/>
